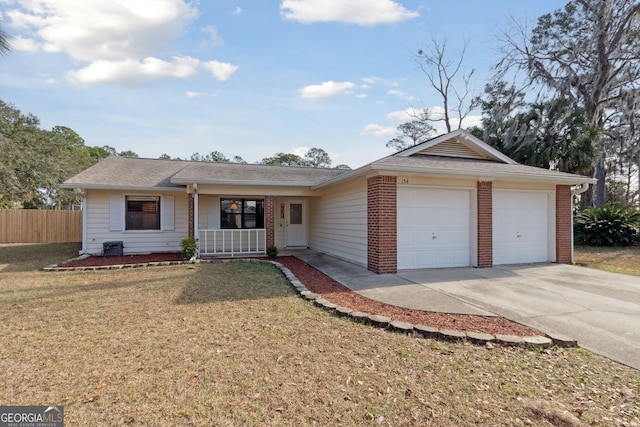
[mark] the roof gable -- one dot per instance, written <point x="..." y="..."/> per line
<point x="457" y="144"/>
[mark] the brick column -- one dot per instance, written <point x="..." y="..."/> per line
<point x="382" y="224"/>
<point x="191" y="216"/>
<point x="270" y="219"/>
<point x="564" y="226"/>
<point x="485" y="224"/>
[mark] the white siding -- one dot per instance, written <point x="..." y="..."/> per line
<point x="208" y="212"/>
<point x="338" y="222"/>
<point x="98" y="225"/>
<point x="279" y="223"/>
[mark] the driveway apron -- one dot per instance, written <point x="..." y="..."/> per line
<point x="600" y="310"/>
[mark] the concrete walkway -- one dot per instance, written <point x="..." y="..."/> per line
<point x="600" y="310"/>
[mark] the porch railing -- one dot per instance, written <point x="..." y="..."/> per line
<point x="233" y="242"/>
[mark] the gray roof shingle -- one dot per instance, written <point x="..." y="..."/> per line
<point x="133" y="173"/>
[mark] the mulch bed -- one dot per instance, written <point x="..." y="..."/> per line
<point x="101" y="261"/>
<point x="321" y="284"/>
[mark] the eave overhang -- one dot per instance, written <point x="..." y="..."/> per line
<point x="120" y="187"/>
<point x="186" y="181"/>
<point x="484" y="175"/>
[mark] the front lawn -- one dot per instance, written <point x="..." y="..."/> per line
<point x="615" y="259"/>
<point x="231" y="344"/>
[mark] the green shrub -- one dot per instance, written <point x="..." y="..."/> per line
<point x="272" y="252"/>
<point x="611" y="225"/>
<point x="189" y="247"/>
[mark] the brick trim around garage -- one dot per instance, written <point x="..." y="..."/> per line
<point x="485" y="224"/>
<point x="564" y="225"/>
<point x="382" y="224"/>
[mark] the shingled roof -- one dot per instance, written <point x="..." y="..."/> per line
<point x="134" y="173"/>
<point x="457" y="153"/>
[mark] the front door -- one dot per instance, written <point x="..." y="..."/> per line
<point x="296" y="223"/>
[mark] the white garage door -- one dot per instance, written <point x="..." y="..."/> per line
<point x="433" y="228"/>
<point x="520" y="227"/>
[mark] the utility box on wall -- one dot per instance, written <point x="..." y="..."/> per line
<point x="111" y="249"/>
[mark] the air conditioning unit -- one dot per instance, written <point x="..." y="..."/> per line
<point x="110" y="249"/>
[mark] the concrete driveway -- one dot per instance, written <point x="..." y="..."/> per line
<point x="598" y="309"/>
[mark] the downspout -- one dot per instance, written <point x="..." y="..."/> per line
<point x="83" y="207"/>
<point x="574" y="192"/>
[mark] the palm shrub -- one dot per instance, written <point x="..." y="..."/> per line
<point x="611" y="225"/>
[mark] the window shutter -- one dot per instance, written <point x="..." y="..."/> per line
<point x="167" y="212"/>
<point x="116" y="212"/>
<point x="213" y="213"/>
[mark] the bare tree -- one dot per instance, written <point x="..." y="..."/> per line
<point x="588" y="52"/>
<point x="447" y="76"/>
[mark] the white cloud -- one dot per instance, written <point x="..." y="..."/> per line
<point x="237" y="11"/>
<point x="220" y="70"/>
<point x="378" y="130"/>
<point x="131" y="71"/>
<point x="360" y="12"/>
<point x="371" y="80"/>
<point x="299" y="151"/>
<point x="193" y="94"/>
<point x="435" y="113"/>
<point x="117" y="41"/>
<point x="103" y="29"/>
<point x="403" y="116"/>
<point x="26" y="45"/>
<point x="401" y="95"/>
<point x="214" y="39"/>
<point x="327" y="89"/>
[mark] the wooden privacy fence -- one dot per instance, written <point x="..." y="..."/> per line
<point x="40" y="226"/>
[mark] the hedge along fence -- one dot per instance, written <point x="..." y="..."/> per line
<point x="40" y="226"/>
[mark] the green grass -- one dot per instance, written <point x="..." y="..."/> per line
<point x="30" y="257"/>
<point x="615" y="259"/>
<point x="233" y="345"/>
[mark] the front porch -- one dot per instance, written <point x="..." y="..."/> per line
<point x="246" y="225"/>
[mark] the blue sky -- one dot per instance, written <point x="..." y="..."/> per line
<point x="246" y="78"/>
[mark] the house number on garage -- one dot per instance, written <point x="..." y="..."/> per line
<point x="404" y="181"/>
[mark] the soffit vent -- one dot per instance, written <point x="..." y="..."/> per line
<point x="452" y="148"/>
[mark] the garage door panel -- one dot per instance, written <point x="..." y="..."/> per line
<point x="433" y="228"/>
<point x="421" y="258"/>
<point x="520" y="227"/>
<point x="449" y="217"/>
<point x="421" y="239"/>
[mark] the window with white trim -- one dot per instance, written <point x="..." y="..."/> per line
<point x="241" y="213"/>
<point x="142" y="213"/>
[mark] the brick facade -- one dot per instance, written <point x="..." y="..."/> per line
<point x="485" y="223"/>
<point x="382" y="224"/>
<point x="564" y="225"/>
<point x="270" y="219"/>
<point x="191" y="216"/>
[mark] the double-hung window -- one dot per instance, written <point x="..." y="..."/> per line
<point x="241" y="213"/>
<point x="142" y="213"/>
